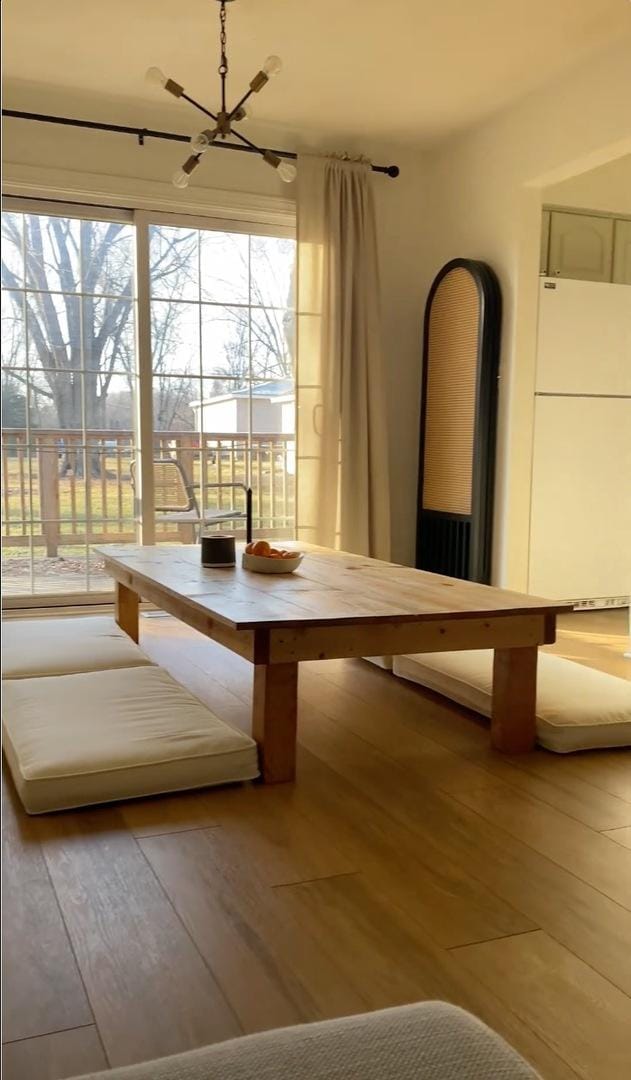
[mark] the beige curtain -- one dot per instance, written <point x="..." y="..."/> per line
<point x="341" y="439"/>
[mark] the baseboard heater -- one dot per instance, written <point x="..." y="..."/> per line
<point x="601" y="602"/>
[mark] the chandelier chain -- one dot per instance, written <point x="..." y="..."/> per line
<point x="223" y="65"/>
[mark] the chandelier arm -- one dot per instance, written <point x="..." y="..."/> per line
<point x="191" y="101"/>
<point x="242" y="101"/>
<point x="253" y="146"/>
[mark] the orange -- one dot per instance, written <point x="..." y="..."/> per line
<point x="288" y="554"/>
<point x="261" y="547"/>
<point x="249" y="548"/>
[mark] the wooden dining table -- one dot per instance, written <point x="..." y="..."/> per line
<point x="337" y="605"/>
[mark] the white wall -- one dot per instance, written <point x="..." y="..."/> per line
<point x="607" y="188"/>
<point x="478" y="196"/>
<point x="72" y="160"/>
<point x="484" y="190"/>
<point x="402" y="216"/>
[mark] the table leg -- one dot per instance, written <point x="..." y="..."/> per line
<point x="514" y="699"/>
<point x="126" y="610"/>
<point x="274" y="716"/>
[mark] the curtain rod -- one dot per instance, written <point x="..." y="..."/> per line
<point x="148" y="133"/>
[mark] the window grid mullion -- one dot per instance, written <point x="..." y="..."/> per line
<point x="28" y="425"/>
<point x="201" y="425"/>
<point x="87" y="464"/>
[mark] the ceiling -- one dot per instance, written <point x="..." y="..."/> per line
<point x="408" y="71"/>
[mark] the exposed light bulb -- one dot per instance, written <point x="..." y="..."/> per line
<point x="180" y="179"/>
<point x="244" y="112"/>
<point x="272" y="66"/>
<point x="287" y="171"/>
<point x="181" y="176"/>
<point x="201" y="142"/>
<point x="156" y="77"/>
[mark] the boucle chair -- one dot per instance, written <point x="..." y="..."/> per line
<point x="427" y="1041"/>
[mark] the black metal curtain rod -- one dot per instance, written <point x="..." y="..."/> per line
<point x="148" y="133"/>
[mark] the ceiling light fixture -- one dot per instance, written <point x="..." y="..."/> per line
<point x="225" y="119"/>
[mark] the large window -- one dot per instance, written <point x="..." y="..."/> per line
<point x="221" y="387"/>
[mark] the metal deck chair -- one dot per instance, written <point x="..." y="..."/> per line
<point x="175" y="500"/>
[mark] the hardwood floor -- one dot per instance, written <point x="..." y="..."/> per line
<point x="408" y="861"/>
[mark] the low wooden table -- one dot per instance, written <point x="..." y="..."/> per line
<point x="338" y="605"/>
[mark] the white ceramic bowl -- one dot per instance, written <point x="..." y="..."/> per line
<point x="260" y="564"/>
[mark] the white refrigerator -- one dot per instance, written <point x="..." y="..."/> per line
<point x="580" y="521"/>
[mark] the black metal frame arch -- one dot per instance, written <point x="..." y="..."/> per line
<point x="460" y="545"/>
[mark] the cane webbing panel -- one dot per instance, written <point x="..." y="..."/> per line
<point x="452" y="360"/>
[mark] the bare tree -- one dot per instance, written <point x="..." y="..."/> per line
<point x="266" y="325"/>
<point x="78" y="306"/>
<point x="13" y="390"/>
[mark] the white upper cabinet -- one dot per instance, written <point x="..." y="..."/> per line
<point x="581" y="246"/>
<point x="622" y="252"/>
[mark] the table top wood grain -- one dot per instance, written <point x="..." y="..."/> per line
<point x="330" y="588"/>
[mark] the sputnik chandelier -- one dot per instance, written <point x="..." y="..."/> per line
<point x="225" y="119"/>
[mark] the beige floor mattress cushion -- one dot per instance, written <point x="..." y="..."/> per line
<point x="578" y="708"/>
<point x="73" y="740"/>
<point x="384" y="662"/>
<point x="37" y="647"/>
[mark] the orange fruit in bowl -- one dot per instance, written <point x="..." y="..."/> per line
<point x="249" y="548"/>
<point x="288" y="554"/>
<point x="261" y="547"/>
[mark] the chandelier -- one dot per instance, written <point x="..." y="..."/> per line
<point x="225" y="119"/>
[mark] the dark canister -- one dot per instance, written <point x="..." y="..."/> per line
<point x="218" y="550"/>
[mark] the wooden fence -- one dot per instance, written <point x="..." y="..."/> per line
<point x="61" y="488"/>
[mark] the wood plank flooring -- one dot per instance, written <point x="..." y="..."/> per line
<point x="55" y="1056"/>
<point x="408" y="861"/>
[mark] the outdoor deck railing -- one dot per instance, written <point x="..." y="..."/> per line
<point x="61" y="488"/>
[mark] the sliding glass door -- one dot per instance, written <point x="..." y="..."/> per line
<point x="210" y="386"/>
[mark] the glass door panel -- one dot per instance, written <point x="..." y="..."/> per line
<point x="222" y="317"/>
<point x="68" y="381"/>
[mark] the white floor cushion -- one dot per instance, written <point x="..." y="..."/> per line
<point x="384" y="662"/>
<point x="72" y="740"/>
<point x="37" y="647"/>
<point x="578" y="708"/>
